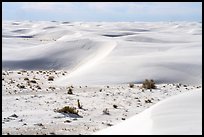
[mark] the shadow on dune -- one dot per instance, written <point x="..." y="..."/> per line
<point x="9" y="36"/>
<point x="20" y="31"/>
<point x="118" y="35"/>
<point x="137" y="30"/>
<point x="71" y="115"/>
<point x="151" y="40"/>
<point x="34" y="64"/>
<point x="51" y="27"/>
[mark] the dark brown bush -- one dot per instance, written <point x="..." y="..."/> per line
<point x="68" y="109"/>
<point x="149" y="84"/>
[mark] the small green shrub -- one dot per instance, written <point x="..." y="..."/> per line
<point x="149" y="84"/>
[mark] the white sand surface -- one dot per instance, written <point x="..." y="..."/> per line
<point x="35" y="107"/>
<point x="177" y="115"/>
<point x="97" y="60"/>
<point x="107" y="53"/>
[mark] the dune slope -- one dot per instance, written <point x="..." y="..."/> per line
<point x="107" y="53"/>
<point x="177" y="115"/>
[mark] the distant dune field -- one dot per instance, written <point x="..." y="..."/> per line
<point x="104" y="53"/>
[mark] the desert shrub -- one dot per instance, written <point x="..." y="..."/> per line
<point x="21" y="86"/>
<point x="69" y="91"/>
<point x="38" y="87"/>
<point x="33" y="81"/>
<point x="115" y="106"/>
<point x="68" y="109"/>
<point x="11" y="81"/>
<point x="71" y="86"/>
<point x="131" y="85"/>
<point x="23" y="71"/>
<point x="148" y="101"/>
<point x="149" y="84"/>
<point x="51" y="78"/>
<point x="106" y="111"/>
<point x="26" y="79"/>
<point x="67" y="121"/>
<point x="52" y="88"/>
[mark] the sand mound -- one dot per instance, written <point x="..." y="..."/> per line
<point x="177" y="115"/>
<point x="67" y="55"/>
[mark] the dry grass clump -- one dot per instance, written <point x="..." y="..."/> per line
<point x="149" y="84"/>
<point x="68" y="109"/>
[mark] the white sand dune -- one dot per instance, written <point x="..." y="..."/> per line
<point x="67" y="55"/>
<point x="107" y="53"/>
<point x="99" y="59"/>
<point x="177" y="115"/>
